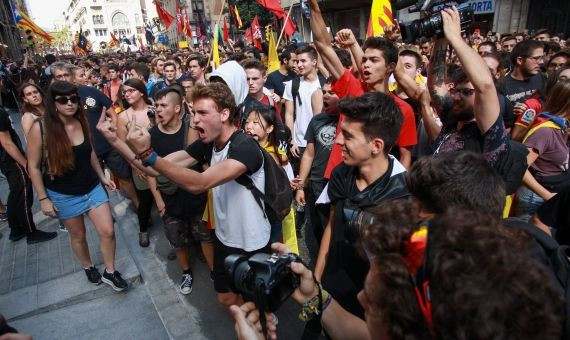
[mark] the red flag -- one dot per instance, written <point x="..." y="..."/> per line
<point x="256" y="32"/>
<point x="164" y="16"/>
<point x="248" y="35"/>
<point x="179" y="22"/>
<point x="226" y="33"/>
<point x="187" y="29"/>
<point x="275" y="7"/>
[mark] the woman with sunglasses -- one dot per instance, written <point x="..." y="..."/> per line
<point x="67" y="177"/>
<point x="133" y="92"/>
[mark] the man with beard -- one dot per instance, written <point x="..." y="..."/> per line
<point x="276" y="79"/>
<point x="526" y="78"/>
<point x="474" y="114"/>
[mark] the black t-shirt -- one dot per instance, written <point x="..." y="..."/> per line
<point x="517" y="91"/>
<point x="79" y="181"/>
<point x="275" y="81"/>
<point x="6" y="125"/>
<point x="321" y="132"/>
<point x="93" y="102"/>
<point x="246" y="152"/>
<point x="555" y="213"/>
<point x="182" y="204"/>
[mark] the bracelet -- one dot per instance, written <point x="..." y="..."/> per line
<point x="45" y="198"/>
<point x="144" y="154"/>
<point x="151" y="159"/>
<point x="311" y="307"/>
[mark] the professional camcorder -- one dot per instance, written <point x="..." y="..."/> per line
<point x="432" y="25"/>
<point x="265" y="279"/>
<point x="356" y="220"/>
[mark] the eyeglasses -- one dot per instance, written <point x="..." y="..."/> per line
<point x="65" y="100"/>
<point x="465" y="92"/>
<point x="129" y="91"/>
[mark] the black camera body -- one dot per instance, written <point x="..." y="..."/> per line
<point x="433" y="25"/>
<point x="265" y="279"/>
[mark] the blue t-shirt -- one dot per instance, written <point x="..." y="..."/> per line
<point x="93" y="102"/>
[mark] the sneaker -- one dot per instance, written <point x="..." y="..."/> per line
<point x="14" y="237"/>
<point x="3" y="217"/>
<point x="143" y="240"/>
<point x="62" y="228"/>
<point x="186" y="284"/>
<point x="40" y="236"/>
<point x="114" y="280"/>
<point x="93" y="275"/>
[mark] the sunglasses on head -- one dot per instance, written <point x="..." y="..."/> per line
<point x="64" y="100"/>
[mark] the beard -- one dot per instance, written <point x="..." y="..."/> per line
<point x="462" y="116"/>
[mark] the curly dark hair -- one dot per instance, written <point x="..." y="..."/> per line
<point x="483" y="284"/>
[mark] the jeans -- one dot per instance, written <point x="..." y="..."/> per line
<point x="528" y="203"/>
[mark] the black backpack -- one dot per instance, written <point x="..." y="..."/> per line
<point x="278" y="195"/>
<point x="296" y="83"/>
<point x="555" y="258"/>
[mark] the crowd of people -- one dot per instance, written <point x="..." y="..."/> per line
<point x="431" y="175"/>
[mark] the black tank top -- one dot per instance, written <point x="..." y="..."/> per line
<point x="79" y="181"/>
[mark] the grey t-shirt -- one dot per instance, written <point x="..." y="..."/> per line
<point x="550" y="144"/>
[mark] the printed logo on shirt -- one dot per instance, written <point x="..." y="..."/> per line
<point x="528" y="116"/>
<point x="326" y="136"/>
<point x="91" y="102"/>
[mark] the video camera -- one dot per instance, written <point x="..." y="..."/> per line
<point x="356" y="220"/>
<point x="433" y="24"/>
<point x="265" y="279"/>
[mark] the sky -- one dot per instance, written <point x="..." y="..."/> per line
<point x="44" y="12"/>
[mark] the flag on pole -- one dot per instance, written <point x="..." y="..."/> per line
<point x="179" y="22"/>
<point x="380" y="17"/>
<point x="234" y="10"/>
<point x="204" y="29"/>
<point x="275" y="7"/>
<point x="187" y="29"/>
<point x="226" y="32"/>
<point x="82" y="41"/>
<point x="215" y="50"/>
<point x="273" y="63"/>
<point x="149" y="35"/>
<point x="164" y="16"/>
<point x="24" y="22"/>
<point x="256" y="32"/>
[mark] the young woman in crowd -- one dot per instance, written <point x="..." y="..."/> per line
<point x="548" y="152"/>
<point x="134" y="94"/>
<point x="260" y="125"/>
<point x="67" y="177"/>
<point x="32" y="97"/>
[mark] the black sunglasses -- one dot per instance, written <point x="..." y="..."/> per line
<point x="65" y="100"/>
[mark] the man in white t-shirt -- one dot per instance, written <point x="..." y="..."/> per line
<point x="214" y="119"/>
<point x="298" y="108"/>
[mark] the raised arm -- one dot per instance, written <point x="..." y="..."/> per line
<point x="486" y="107"/>
<point x="323" y="42"/>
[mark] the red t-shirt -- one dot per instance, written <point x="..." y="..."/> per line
<point x="527" y="118"/>
<point x="349" y="86"/>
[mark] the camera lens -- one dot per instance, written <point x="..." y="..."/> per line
<point x="237" y="269"/>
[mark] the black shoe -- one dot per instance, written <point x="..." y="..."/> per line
<point x="14" y="237"/>
<point x="115" y="280"/>
<point x="93" y="275"/>
<point x="3" y="217"/>
<point x="40" y="236"/>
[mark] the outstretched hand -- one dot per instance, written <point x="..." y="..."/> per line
<point x="138" y="138"/>
<point x="345" y="38"/>
<point x="451" y="23"/>
<point x="107" y="128"/>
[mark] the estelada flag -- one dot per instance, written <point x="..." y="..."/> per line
<point x="380" y="17"/>
<point x="275" y="7"/>
<point x="164" y="16"/>
<point x="238" y="18"/>
<point x="179" y="22"/>
<point x="23" y="21"/>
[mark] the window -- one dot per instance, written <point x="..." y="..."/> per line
<point x="120" y="20"/>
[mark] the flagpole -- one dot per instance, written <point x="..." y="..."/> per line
<point x="218" y="23"/>
<point x="285" y="24"/>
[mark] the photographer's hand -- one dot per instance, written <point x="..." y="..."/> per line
<point x="307" y="288"/>
<point x="247" y="324"/>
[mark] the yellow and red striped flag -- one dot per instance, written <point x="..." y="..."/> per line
<point x="380" y="17"/>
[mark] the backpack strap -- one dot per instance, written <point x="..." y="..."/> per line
<point x="295" y="84"/>
<point x="547" y="124"/>
<point x="186" y="127"/>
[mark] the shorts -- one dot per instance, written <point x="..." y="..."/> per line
<point x="69" y="206"/>
<point x="178" y="231"/>
<point x="221" y="251"/>
<point x="116" y="163"/>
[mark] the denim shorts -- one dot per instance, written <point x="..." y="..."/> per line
<point x="69" y="206"/>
